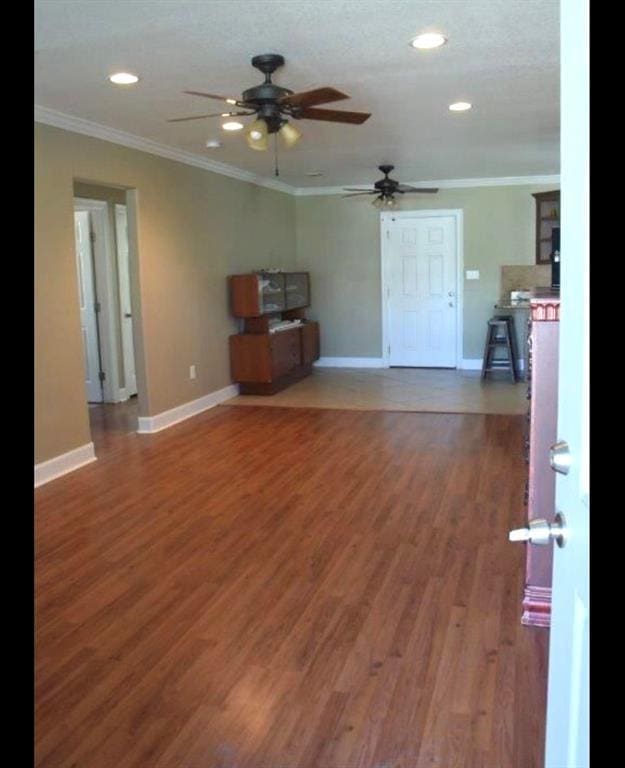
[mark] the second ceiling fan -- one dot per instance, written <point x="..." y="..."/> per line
<point x="385" y="189"/>
<point x="274" y="106"/>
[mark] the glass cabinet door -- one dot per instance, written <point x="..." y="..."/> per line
<point x="271" y="290"/>
<point x="547" y="219"/>
<point x="297" y="294"/>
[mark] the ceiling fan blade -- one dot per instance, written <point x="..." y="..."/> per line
<point x="356" y="189"/>
<point x="407" y="188"/>
<point x="356" y="194"/>
<point x="215" y="114"/>
<point x="229" y="99"/>
<point x="335" y="116"/>
<point x="310" y="98"/>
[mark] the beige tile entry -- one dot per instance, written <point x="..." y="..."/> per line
<point x="399" y="389"/>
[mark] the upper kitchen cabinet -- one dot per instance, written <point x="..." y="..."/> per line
<point x="547" y="219"/>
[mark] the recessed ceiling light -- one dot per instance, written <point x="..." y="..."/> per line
<point x="460" y="106"/>
<point x="213" y="144"/>
<point x="428" y="40"/>
<point x="232" y="126"/>
<point x="231" y="101"/>
<point x="123" y="78"/>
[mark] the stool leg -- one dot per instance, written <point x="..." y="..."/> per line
<point x="510" y="354"/>
<point x="515" y="346"/>
<point x="487" y="350"/>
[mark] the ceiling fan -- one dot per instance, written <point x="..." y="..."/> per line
<point x="274" y="106"/>
<point x="386" y="188"/>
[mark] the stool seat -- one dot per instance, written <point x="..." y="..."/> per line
<point x="500" y="334"/>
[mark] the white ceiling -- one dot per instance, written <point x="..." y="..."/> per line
<point x="502" y="56"/>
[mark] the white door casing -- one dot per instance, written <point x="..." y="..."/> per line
<point x="125" y="303"/>
<point x="567" y="737"/>
<point x="87" y="300"/>
<point x="420" y="264"/>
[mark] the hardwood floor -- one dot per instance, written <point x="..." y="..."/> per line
<point x="282" y="588"/>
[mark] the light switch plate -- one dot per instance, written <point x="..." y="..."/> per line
<point x="473" y="274"/>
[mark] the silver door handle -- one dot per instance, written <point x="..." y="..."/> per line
<point x="451" y="303"/>
<point x="127" y="314"/>
<point x="540" y="532"/>
<point x="560" y="457"/>
<point x="451" y="293"/>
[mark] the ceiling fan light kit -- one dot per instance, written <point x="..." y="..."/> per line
<point x="256" y="135"/>
<point x="385" y="202"/>
<point x="289" y="134"/>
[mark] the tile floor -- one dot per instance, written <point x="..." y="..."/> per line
<point x="399" y="389"/>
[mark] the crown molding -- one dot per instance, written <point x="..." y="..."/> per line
<point x="496" y="181"/>
<point x="98" y="131"/>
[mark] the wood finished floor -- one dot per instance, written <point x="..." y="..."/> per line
<point x="282" y="588"/>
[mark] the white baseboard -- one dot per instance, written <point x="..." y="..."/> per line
<point x="61" y="465"/>
<point x="150" y="424"/>
<point x="350" y="362"/>
<point x="476" y="364"/>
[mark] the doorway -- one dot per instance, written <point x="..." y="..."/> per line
<point x="106" y="306"/>
<point x="422" y="288"/>
<point x="83" y="233"/>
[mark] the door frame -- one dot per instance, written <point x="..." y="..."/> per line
<point x="458" y="215"/>
<point x="105" y="278"/>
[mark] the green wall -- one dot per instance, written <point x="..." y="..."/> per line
<point x="338" y="240"/>
<point x="192" y="229"/>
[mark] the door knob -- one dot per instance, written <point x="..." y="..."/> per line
<point x="540" y="532"/>
<point x="560" y="457"/>
<point x="127" y="314"/>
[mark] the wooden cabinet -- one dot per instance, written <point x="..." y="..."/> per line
<point x="263" y="293"/>
<point x="278" y="345"/>
<point x="542" y="434"/>
<point x="547" y="219"/>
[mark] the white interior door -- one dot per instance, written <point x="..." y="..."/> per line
<point x="125" y="304"/>
<point x="87" y="298"/>
<point x="567" y="741"/>
<point x="422" y="291"/>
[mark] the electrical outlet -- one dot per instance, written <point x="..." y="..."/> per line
<point x="473" y="274"/>
<point x="192" y="374"/>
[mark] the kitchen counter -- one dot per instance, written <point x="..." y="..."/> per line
<point x="516" y="305"/>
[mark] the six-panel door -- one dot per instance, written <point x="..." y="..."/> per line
<point x="422" y="291"/>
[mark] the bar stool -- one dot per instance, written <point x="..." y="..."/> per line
<point x="500" y="333"/>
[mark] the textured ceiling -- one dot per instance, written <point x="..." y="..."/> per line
<point x="502" y="56"/>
